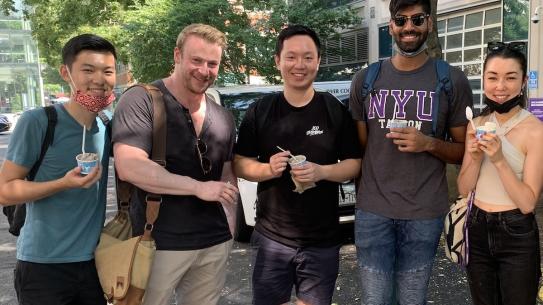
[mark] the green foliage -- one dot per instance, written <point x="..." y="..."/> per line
<point x="145" y="31"/>
<point x="515" y="20"/>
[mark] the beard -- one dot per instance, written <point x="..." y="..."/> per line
<point x="199" y="87"/>
<point x="413" y="46"/>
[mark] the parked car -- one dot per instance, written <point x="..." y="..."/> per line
<point x="5" y="124"/>
<point x="237" y="99"/>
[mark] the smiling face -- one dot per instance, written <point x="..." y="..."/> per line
<point x="298" y="62"/>
<point x="197" y="63"/>
<point x="503" y="79"/>
<point x="410" y="37"/>
<point x="92" y="73"/>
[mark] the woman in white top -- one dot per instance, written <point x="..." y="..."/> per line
<point x="505" y="169"/>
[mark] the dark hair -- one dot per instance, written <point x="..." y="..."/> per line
<point x="293" y="30"/>
<point x="397" y="5"/>
<point x="84" y="42"/>
<point x="507" y="53"/>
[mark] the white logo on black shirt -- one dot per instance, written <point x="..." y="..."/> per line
<point x="315" y="130"/>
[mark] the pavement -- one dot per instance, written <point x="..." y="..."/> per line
<point x="448" y="285"/>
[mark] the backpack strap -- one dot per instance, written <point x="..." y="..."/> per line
<point x="51" y="113"/>
<point x="107" y="123"/>
<point x="158" y="155"/>
<point x="371" y="76"/>
<point x="444" y="83"/>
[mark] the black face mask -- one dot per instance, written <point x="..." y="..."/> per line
<point x="503" y="107"/>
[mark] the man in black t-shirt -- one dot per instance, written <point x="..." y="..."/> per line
<point x="191" y="233"/>
<point x="296" y="233"/>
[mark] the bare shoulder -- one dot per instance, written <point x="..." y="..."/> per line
<point x="534" y="131"/>
<point x="532" y="125"/>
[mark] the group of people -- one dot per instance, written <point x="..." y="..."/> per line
<point x="402" y="194"/>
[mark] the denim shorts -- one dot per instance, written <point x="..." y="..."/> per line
<point x="277" y="268"/>
<point x="395" y="257"/>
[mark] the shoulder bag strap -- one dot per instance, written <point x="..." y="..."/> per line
<point x="158" y="155"/>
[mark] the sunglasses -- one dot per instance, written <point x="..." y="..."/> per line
<point x="497" y="46"/>
<point x="205" y="163"/>
<point x="201" y="147"/>
<point x="417" y="19"/>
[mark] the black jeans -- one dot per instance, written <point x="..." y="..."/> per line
<point x="504" y="257"/>
<point x="58" y="284"/>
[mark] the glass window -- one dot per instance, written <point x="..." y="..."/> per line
<point x="5" y="46"/>
<point x="454" y="41"/>
<point x="455" y="24"/>
<point x="442" y="41"/>
<point x="19" y="48"/>
<point x="477" y="101"/>
<point x="452" y="57"/>
<point x="385" y="42"/>
<point x="472" y="55"/>
<point x="472" y="70"/>
<point x="441" y="26"/>
<point x="11" y="24"/>
<point x="492" y="34"/>
<point x="474" y="20"/>
<point x="475" y="84"/>
<point x="493" y="16"/>
<point x="472" y="38"/>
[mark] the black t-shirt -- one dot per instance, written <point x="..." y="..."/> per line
<point x="184" y="222"/>
<point x="310" y="218"/>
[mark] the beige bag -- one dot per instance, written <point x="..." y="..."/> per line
<point x="124" y="262"/>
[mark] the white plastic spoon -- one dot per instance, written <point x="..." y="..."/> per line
<point x="469" y="116"/>
<point x="83" y="143"/>
<point x="293" y="157"/>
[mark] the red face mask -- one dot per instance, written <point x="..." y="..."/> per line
<point x="93" y="103"/>
<point x="90" y="102"/>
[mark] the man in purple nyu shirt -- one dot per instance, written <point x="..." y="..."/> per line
<point x="402" y="194"/>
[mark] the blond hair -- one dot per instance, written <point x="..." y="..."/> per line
<point x="204" y="31"/>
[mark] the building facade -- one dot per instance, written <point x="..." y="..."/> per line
<point x="464" y="29"/>
<point x="20" y="79"/>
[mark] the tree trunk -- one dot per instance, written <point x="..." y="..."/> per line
<point x="434" y="48"/>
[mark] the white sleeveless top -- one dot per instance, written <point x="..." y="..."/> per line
<point x="489" y="187"/>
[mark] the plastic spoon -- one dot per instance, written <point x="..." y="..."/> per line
<point x="293" y="157"/>
<point x="469" y="116"/>
<point x="83" y="143"/>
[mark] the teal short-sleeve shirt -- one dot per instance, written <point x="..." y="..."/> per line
<point x="64" y="227"/>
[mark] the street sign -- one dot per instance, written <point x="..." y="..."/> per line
<point x="536" y="107"/>
<point x="532" y="80"/>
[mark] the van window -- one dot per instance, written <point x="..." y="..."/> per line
<point x="238" y="103"/>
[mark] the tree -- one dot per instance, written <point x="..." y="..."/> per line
<point x="144" y="31"/>
<point x="515" y="20"/>
<point x="434" y="47"/>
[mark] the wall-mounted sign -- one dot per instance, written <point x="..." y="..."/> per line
<point x="536" y="107"/>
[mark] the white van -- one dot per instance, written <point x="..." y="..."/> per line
<point x="237" y="99"/>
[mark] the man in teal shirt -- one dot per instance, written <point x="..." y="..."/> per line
<point x="65" y="208"/>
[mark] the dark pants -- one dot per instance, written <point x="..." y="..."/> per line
<point x="58" y="284"/>
<point x="277" y="268"/>
<point x="504" y="258"/>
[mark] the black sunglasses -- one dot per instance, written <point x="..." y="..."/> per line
<point x="497" y="46"/>
<point x="205" y="163"/>
<point x="417" y="19"/>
